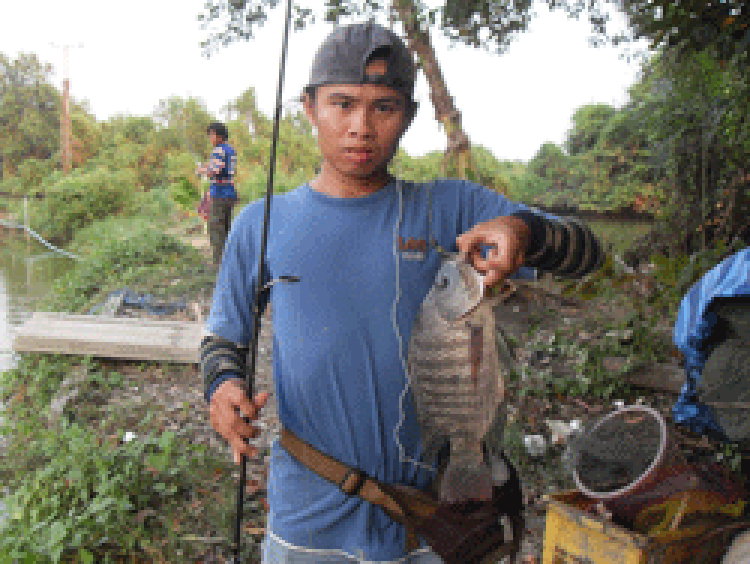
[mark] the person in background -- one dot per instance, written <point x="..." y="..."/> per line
<point x="221" y="169"/>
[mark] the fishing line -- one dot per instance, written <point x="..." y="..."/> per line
<point x="260" y="287"/>
<point x="396" y="254"/>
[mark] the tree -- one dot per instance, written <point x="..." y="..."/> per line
<point x="695" y="110"/>
<point x="588" y="122"/>
<point x="690" y="26"/>
<point x="190" y="118"/>
<point x="467" y="22"/>
<point x="29" y="111"/>
<point x="550" y="163"/>
<point x="245" y="109"/>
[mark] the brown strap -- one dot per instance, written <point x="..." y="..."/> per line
<point x="351" y="481"/>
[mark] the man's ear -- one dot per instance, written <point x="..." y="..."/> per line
<point x="309" y="108"/>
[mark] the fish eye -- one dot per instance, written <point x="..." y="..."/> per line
<point x="443" y="283"/>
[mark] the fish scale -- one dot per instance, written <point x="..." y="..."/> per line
<point x="456" y="377"/>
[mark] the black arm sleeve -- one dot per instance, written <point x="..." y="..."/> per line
<point x="566" y="248"/>
<point x="221" y="356"/>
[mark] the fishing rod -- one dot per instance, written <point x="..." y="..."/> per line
<point x="260" y="289"/>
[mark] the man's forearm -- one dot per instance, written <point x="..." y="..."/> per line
<point x="566" y="248"/>
<point x="221" y="360"/>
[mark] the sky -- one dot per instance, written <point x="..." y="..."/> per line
<point x="138" y="52"/>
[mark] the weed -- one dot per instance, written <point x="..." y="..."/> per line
<point x="78" y="494"/>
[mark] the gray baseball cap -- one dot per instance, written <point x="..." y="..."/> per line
<point x="343" y="57"/>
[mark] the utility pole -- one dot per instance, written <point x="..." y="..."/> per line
<point x="65" y="121"/>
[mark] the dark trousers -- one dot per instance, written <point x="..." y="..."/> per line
<point x="219" y="222"/>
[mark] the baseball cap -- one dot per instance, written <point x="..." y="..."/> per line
<point x="343" y="57"/>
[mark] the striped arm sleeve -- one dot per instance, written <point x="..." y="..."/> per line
<point x="220" y="360"/>
<point x="564" y="248"/>
<point x="217" y="161"/>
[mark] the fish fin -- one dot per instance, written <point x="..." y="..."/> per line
<point x="432" y="445"/>
<point x="461" y="483"/>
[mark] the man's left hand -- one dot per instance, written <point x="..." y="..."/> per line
<point x="509" y="239"/>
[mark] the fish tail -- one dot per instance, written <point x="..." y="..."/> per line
<point x="464" y="482"/>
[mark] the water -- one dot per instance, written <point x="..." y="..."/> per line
<point x="27" y="270"/>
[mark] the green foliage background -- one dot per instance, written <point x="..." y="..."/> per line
<point x="677" y="148"/>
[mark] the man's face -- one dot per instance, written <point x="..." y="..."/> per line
<point x="359" y="126"/>
<point x="214" y="138"/>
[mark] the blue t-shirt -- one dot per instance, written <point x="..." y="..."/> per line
<point x="224" y="163"/>
<point x="338" y="371"/>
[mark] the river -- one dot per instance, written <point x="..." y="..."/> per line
<point x="27" y="270"/>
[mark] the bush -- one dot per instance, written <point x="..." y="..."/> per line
<point x="154" y="204"/>
<point x="112" y="249"/>
<point x="184" y="193"/>
<point x="257" y="181"/>
<point x="79" y="199"/>
<point x="89" y="493"/>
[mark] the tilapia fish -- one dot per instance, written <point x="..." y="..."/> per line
<point x="457" y="377"/>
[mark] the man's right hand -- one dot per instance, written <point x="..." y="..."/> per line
<point x="226" y="403"/>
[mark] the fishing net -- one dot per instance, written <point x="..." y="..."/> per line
<point x="616" y="450"/>
<point x="629" y="460"/>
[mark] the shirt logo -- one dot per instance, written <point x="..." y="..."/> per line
<point x="412" y="249"/>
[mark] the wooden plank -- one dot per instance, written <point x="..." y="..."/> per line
<point x="667" y="377"/>
<point x="113" y="337"/>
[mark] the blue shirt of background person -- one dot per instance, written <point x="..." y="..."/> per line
<point x="221" y="168"/>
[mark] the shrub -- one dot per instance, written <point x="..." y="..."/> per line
<point x="79" y="199"/>
<point x="110" y="249"/>
<point x="184" y="193"/>
<point x="88" y="493"/>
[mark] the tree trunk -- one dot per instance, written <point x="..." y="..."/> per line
<point x="458" y="151"/>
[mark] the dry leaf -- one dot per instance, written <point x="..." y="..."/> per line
<point x="141" y="516"/>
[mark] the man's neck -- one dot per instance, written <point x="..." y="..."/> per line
<point x="332" y="183"/>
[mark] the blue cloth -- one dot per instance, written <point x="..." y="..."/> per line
<point x="338" y="374"/>
<point x="694" y="325"/>
<point x="145" y="301"/>
<point x="224" y="163"/>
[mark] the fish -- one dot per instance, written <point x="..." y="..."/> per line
<point x="457" y="378"/>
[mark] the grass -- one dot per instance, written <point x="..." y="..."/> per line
<point x="618" y="235"/>
<point x="79" y="492"/>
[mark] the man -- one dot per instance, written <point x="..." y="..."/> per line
<point x="223" y="197"/>
<point x="338" y="367"/>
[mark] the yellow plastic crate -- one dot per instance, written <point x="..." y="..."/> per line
<point x="574" y="536"/>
